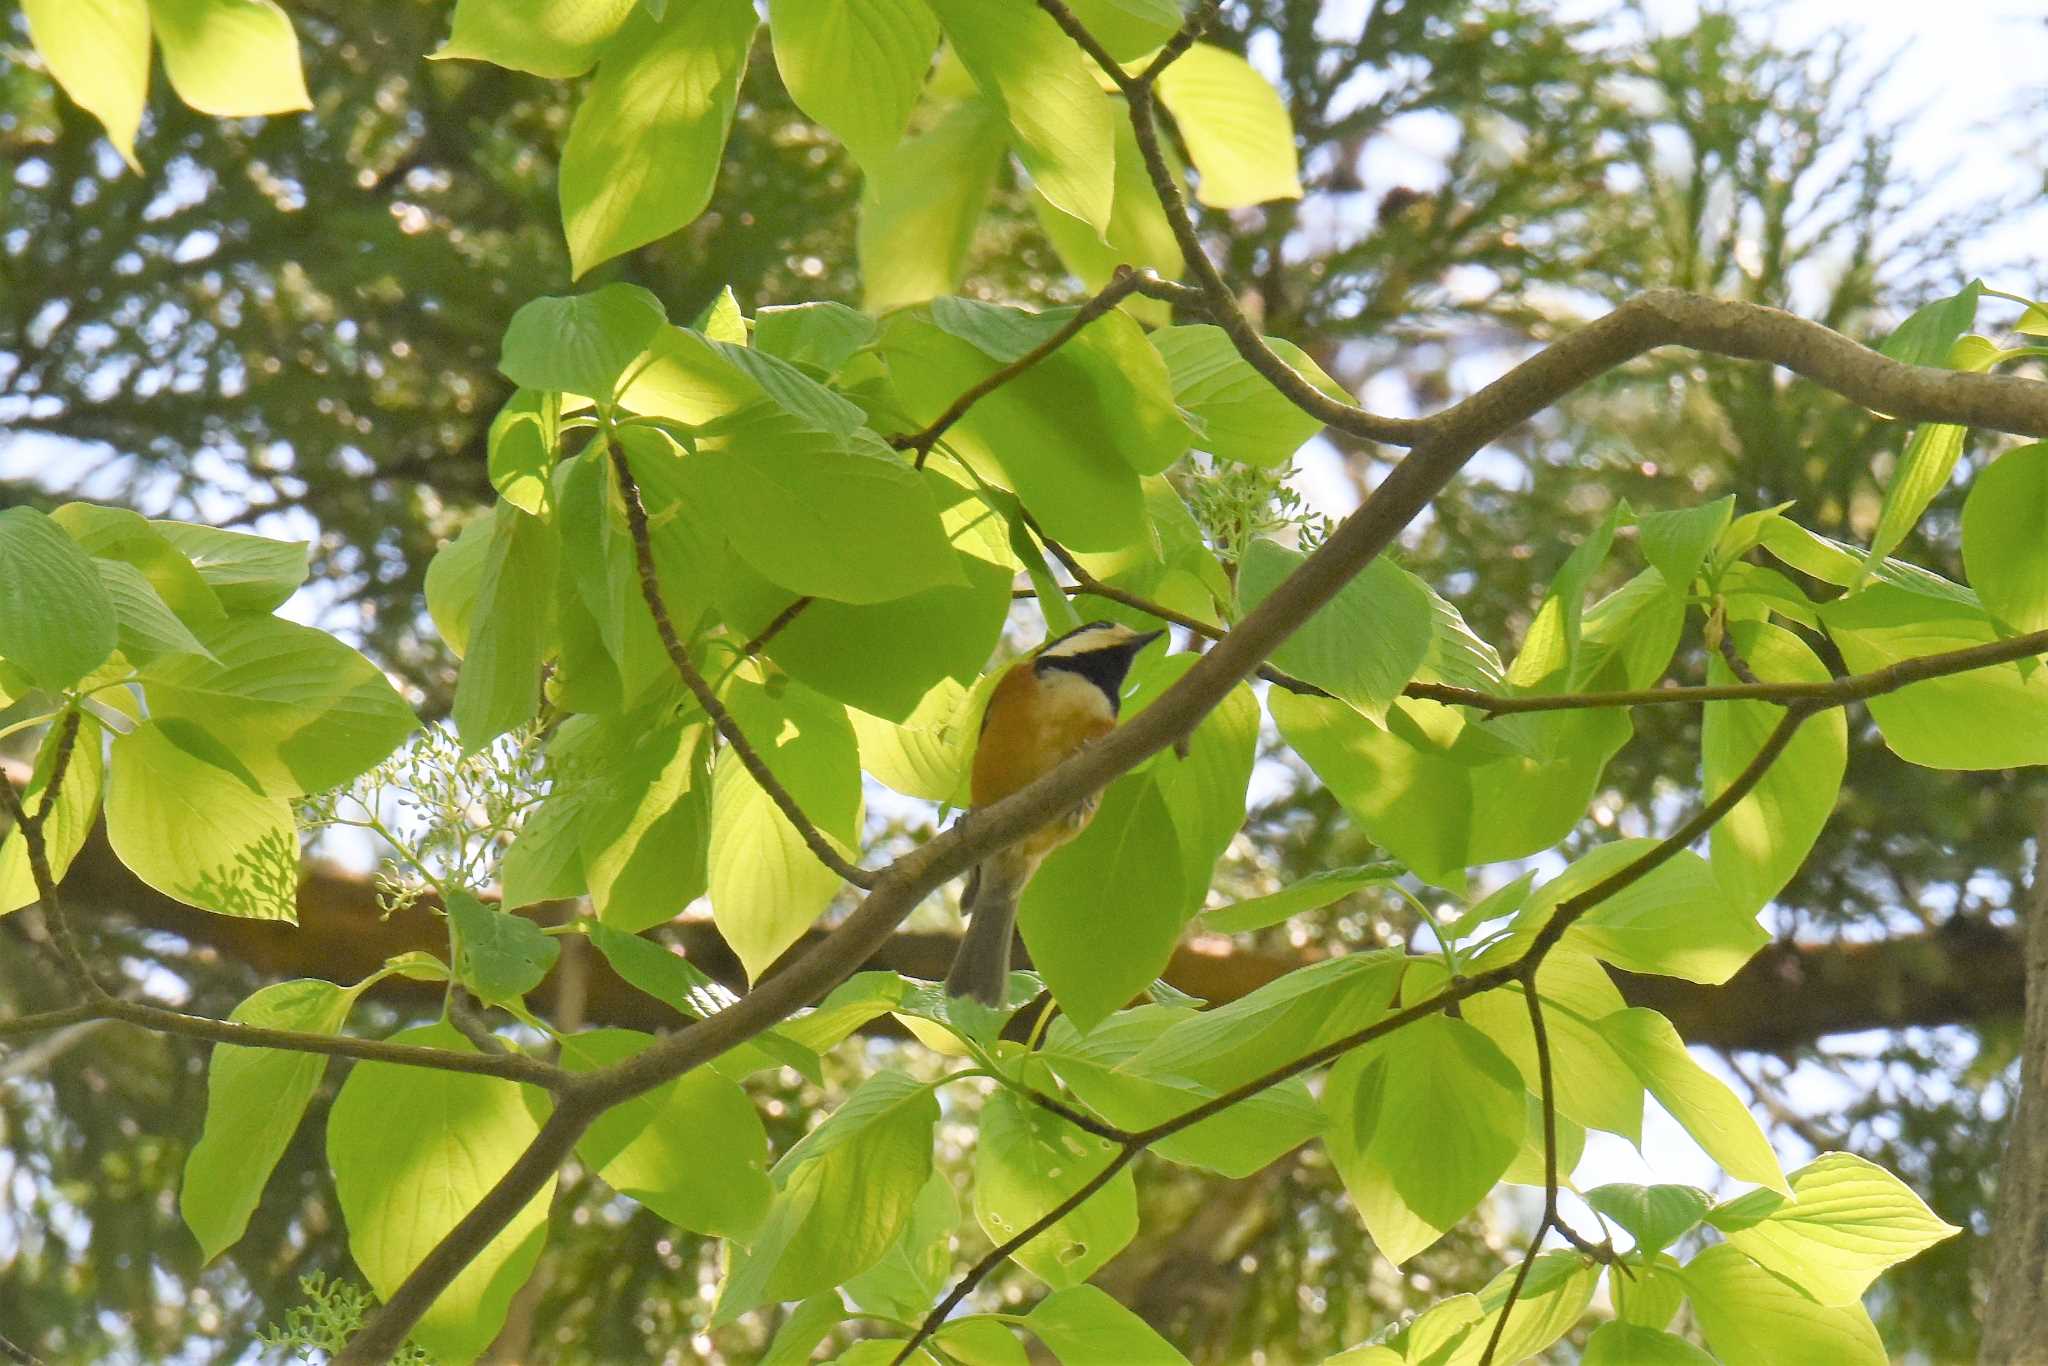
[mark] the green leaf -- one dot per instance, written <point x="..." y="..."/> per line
<point x="1109" y="374"/>
<point x="692" y="1150"/>
<point x="540" y="37"/>
<point x="1102" y="1070"/>
<point x="972" y="1340"/>
<point x="1832" y="562"/>
<point x="522" y="446"/>
<point x="807" y="1326"/>
<point x="1550" y="647"/>
<point x="454" y="577"/>
<point x="246" y="573"/>
<point x="1312" y="893"/>
<point x="1695" y="1097"/>
<point x="1759" y="845"/>
<point x="499" y="689"/>
<point x="1139" y="233"/>
<point x="1241" y="415"/>
<point x="1677" y="541"/>
<point x="146" y="627"/>
<point x="302" y="711"/>
<point x="914" y="1271"/>
<point x="1042" y="434"/>
<point x="1365" y="644"/>
<point x="928" y="754"/>
<point x="948" y="631"/>
<point x="766" y="885"/>
<point x="1593" y="1085"/>
<point x="822" y="519"/>
<point x="1061" y="120"/>
<point x="644" y="148"/>
<point x="230" y="58"/>
<point x="1995" y="717"/>
<point x="2005" y="537"/>
<point x="1752" y="592"/>
<point x="1651" y="1297"/>
<point x="860" y="998"/>
<point x="844" y="1194"/>
<point x="1529" y="1166"/>
<point x="1235" y="127"/>
<point x="1931" y="452"/>
<point x="1553" y="1300"/>
<point x="646" y="838"/>
<point x="1129" y="29"/>
<point x="855" y="66"/>
<point x="503" y="956"/>
<point x="1275" y="1024"/>
<point x="580" y="343"/>
<point x="121" y="536"/>
<point x="1205" y="787"/>
<point x="1026" y="1161"/>
<point x="922" y="202"/>
<point x="1747" y="1314"/>
<point x="685" y="987"/>
<point x="1655" y="1216"/>
<point x="1093" y="961"/>
<point x="821" y="336"/>
<point x="1849" y="1220"/>
<point x="255" y="1098"/>
<point x="413" y="1150"/>
<point x="1430" y="788"/>
<point x="98" y="50"/>
<point x="1929" y="334"/>
<point x="1627" y="1344"/>
<point x="187" y="819"/>
<point x="57" y="622"/>
<point x="1439" y="1111"/>
<point x="1083" y="1326"/>
<point x="70" y="820"/>
<point x="1675" y="920"/>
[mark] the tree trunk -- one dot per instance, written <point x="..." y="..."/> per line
<point x="2016" y="1319"/>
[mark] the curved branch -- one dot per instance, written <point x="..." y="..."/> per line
<point x="757" y="768"/>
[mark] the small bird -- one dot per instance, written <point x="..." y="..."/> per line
<point x="1047" y="706"/>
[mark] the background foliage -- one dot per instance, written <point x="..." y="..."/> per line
<point x="293" y="323"/>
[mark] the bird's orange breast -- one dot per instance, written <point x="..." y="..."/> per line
<point x="1033" y="722"/>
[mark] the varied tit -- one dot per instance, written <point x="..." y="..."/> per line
<point x="1046" y="707"/>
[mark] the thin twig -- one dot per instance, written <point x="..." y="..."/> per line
<point x="775" y="627"/>
<point x="1737" y="665"/>
<point x="757" y="768"/>
<point x="1125" y="283"/>
<point x="31" y="828"/>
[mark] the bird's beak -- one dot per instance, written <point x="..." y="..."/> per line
<point x="1140" y="642"/>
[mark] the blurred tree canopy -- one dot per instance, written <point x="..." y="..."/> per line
<point x="292" y="323"/>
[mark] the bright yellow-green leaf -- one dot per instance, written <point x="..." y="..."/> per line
<point x="1747" y="1314"/>
<point x="1240" y="415"/>
<point x="692" y="1150"/>
<point x="1554" y="1297"/>
<point x="542" y="37"/>
<point x="855" y="66"/>
<point x="1094" y="963"/>
<point x="509" y="630"/>
<point x="1235" y="127"/>
<point x="1695" y="1097"/>
<point x="2005" y="537"/>
<point x="1061" y="119"/>
<point x="1994" y="717"/>
<point x="1628" y="1344"/>
<point x="766" y="886"/>
<point x="186" y="817"/>
<point x="1138" y="233"/>
<point x="1674" y="920"/>
<point x="246" y="573"/>
<point x="1593" y="1086"/>
<point x="98" y="50"/>
<point x="302" y="710"/>
<point x="69" y="821"/>
<point x="232" y="58"/>
<point x="1083" y="1326"/>
<point x="1365" y="644"/>
<point x="1026" y="1160"/>
<point x="1849" y="1220"/>
<point x="644" y="149"/>
<point x="255" y="1098"/>
<point x="1759" y="845"/>
<point x="922" y="202"/>
<point x="413" y="1149"/>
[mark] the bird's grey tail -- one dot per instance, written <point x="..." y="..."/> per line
<point x="981" y="968"/>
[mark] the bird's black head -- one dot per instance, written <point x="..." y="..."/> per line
<point x="1100" y="652"/>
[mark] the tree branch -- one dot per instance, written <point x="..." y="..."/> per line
<point x="750" y="758"/>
